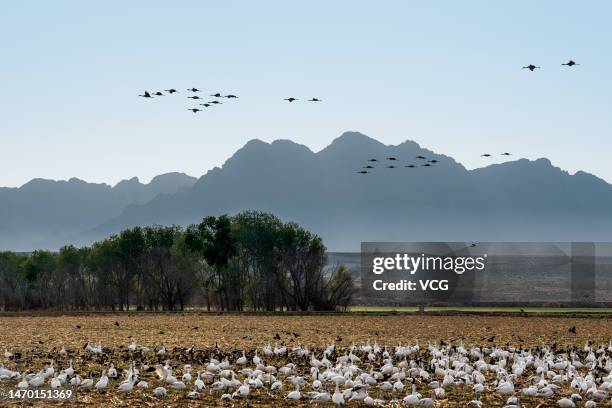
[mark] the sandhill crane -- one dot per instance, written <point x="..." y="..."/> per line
<point x="531" y="67"/>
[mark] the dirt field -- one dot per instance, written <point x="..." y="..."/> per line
<point x="38" y="339"/>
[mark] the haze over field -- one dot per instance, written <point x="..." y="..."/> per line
<point x="512" y="201"/>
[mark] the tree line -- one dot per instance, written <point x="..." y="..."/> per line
<point x="250" y="261"/>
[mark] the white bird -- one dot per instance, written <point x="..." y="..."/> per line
<point x="193" y="395"/>
<point x="294" y="395"/>
<point x="566" y="403"/>
<point x="102" y="382"/>
<point x="413" y="399"/>
<point x="87" y="383"/>
<point x="338" y="398"/>
<point x="127" y="386"/>
<point x="160" y="392"/>
<point x="198" y="383"/>
<point x="23" y="384"/>
<point x="55" y="382"/>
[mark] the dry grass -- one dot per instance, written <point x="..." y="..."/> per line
<point x="37" y="338"/>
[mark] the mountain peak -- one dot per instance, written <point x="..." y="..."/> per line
<point x="352" y="139"/>
<point x="127" y="182"/>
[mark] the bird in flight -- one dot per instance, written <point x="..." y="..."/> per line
<point x="531" y="67"/>
<point x="426" y="165"/>
<point x="412" y="166"/>
<point x="433" y="161"/>
<point x="158" y="93"/>
<point x="194" y="90"/>
<point x="314" y="100"/>
<point x="206" y="105"/>
<point x="194" y="97"/>
<point x="291" y="99"/>
<point x="195" y="110"/>
<point x="570" y="63"/>
<point x="421" y="157"/>
<point x="363" y="172"/>
<point x="485" y="155"/>
<point x="216" y="102"/>
<point x="146" y="94"/>
<point x="391" y="167"/>
<point x="231" y="96"/>
<point x="372" y="160"/>
<point x="171" y="91"/>
<point x="368" y="167"/>
<point x="391" y="158"/>
<point x="506" y="154"/>
<point x="217" y="95"/>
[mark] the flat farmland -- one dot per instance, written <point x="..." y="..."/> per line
<point x="351" y="346"/>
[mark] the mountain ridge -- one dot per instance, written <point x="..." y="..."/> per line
<point x="520" y="199"/>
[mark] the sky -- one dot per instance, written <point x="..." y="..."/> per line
<point x="446" y="74"/>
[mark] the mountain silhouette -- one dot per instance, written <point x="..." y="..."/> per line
<point x="46" y="213"/>
<point x="519" y="200"/>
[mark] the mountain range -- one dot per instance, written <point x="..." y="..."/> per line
<point x="518" y="200"/>
<point x="47" y="213"/>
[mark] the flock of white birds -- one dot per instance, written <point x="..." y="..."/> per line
<point x="363" y="374"/>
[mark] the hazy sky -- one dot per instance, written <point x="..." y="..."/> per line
<point x="446" y="74"/>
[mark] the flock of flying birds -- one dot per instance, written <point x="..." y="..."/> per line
<point x="367" y="169"/>
<point x="208" y="104"/>
<point x="532" y="67"/>
<point x="425" y="163"/>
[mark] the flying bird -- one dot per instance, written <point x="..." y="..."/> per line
<point x="426" y="165"/>
<point x="391" y="167"/>
<point x="506" y="154"/>
<point x="194" y="90"/>
<point x="485" y="155"/>
<point x="146" y="94"/>
<point x="433" y="161"/>
<point x="363" y="172"/>
<point x="314" y="100"/>
<point x="421" y="157"/>
<point x="207" y="105"/>
<point x="372" y="160"/>
<point x="391" y="158"/>
<point x="217" y="95"/>
<point x="158" y="93"/>
<point x="531" y="67"/>
<point x="231" y="96"/>
<point x="171" y="91"/>
<point x="195" y="110"/>
<point x="216" y="102"/>
<point x="570" y="63"/>
<point x="412" y="166"/>
<point x="291" y="99"/>
<point x="194" y="97"/>
<point x="368" y="167"/>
